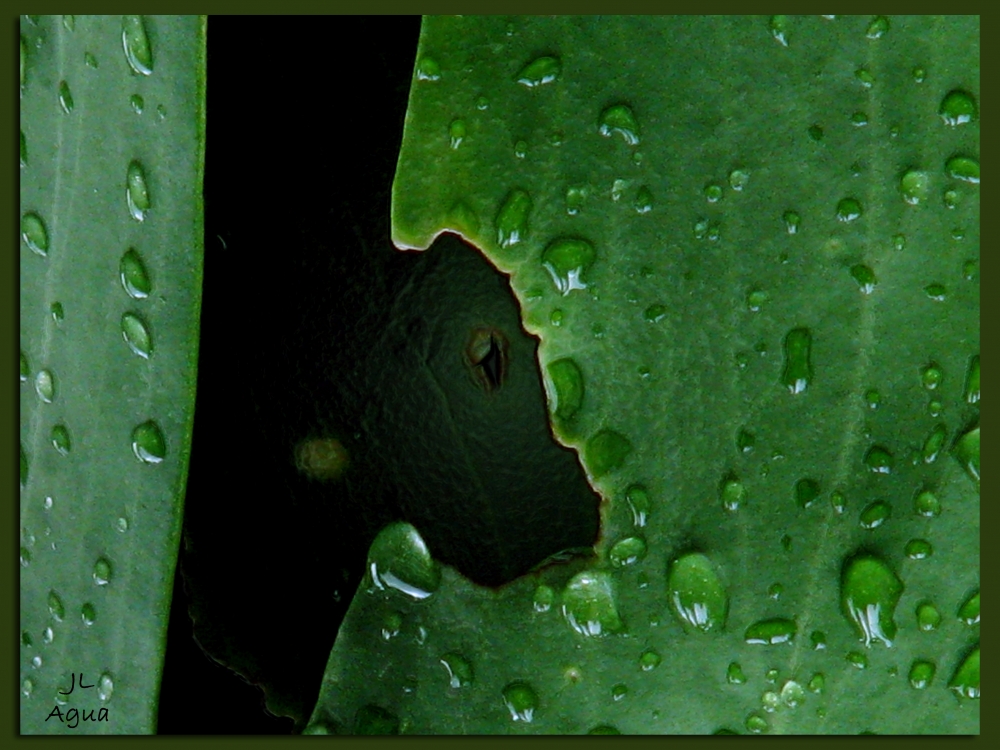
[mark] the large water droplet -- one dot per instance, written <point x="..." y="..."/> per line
<point x="135" y="40"/>
<point x="849" y="209"/>
<point x="619" y="118"/>
<point x="869" y="593"/>
<point x="915" y="186"/>
<point x="605" y="452"/>
<point x="797" y="373"/>
<point x="965" y="168"/>
<point x="589" y="604"/>
<point x="934" y="443"/>
<point x="136" y="335"/>
<point x="512" y="219"/>
<point x="459" y="670"/>
<point x="34" y="233"/>
<point x="972" y="381"/>
<point x="958" y="107"/>
<point x="65" y="97"/>
<point x="45" y="386"/>
<point x="696" y="594"/>
<point x="133" y="275"/>
<point x="627" y="551"/>
<point x="567" y="387"/>
<point x="793" y="694"/>
<point x="566" y="259"/>
<point x="136" y="191"/>
<point x="540" y="70"/>
<point x="521" y="700"/>
<point x="56" y="607"/>
<point x="875" y="514"/>
<point x="965" y="681"/>
<point x="772" y="631"/>
<point x="921" y="674"/>
<point x="967" y="453"/>
<point x="879" y="460"/>
<point x="399" y="559"/>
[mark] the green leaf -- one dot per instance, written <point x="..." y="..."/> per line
<point x="735" y="219"/>
<point x="112" y="144"/>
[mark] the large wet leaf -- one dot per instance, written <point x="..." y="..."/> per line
<point x="112" y="137"/>
<point x="750" y="249"/>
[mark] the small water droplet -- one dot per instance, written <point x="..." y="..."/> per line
<point x="934" y="443"/>
<point x="738" y="179"/>
<point x="779" y="26"/>
<point x="971" y="393"/>
<point x="36" y="662"/>
<point x="56" y="608"/>
<point x="121" y="524"/>
<point x="875" y="514"/>
<point x="512" y="219"/>
<point x="869" y="593"/>
<point x="797" y="373"/>
<point x="521" y="700"/>
<point x="24" y="369"/>
<point x="45" y="386"/>
<point x="618" y="189"/>
<point x="627" y="551"/>
<point x="27" y="687"/>
<point x="918" y="549"/>
<point x="136" y="191"/>
<point x="459" y="670"/>
<point x="969" y="611"/>
<point x="919" y="74"/>
<point x="734" y="674"/>
<point x="936" y="292"/>
<point x="756" y="723"/>
<point x="879" y="460"/>
<point x="25" y="557"/>
<point x="817" y="683"/>
<point x="399" y="559"/>
<point x="849" y="209"/>
<point x="136" y="335"/>
<point x="133" y="275"/>
<point x="771" y="631"/>
<point x="859" y="119"/>
<point x="649" y="660"/>
<point x="105" y="687"/>
<point x="138" y="51"/>
<point x="391" y="624"/>
<point x="951" y="198"/>
<point x="137" y="102"/>
<point x="877" y="28"/>
<point x="456" y="132"/>
<point x="148" y="443"/>
<point x="915" y="186"/>
<point x="575" y="196"/>
<point x="88" y="613"/>
<point x="619" y="118"/>
<point x="65" y="97"/>
<point x="958" y="107"/>
<point x="732" y="493"/>
<point x="89" y="60"/>
<point x="102" y="571"/>
<point x="921" y="674"/>
<point x="520" y="149"/>
<point x="931" y="376"/>
<point x="965" y="168"/>
<point x="857" y="660"/>
<point x="428" y="69"/>
<point x="792" y="221"/>
<point x="926" y="504"/>
<point x="606" y="451"/>
<point x="806" y="491"/>
<point x="965" y="681"/>
<point x="590" y="605"/>
<point x="643" y="200"/>
<point x="566" y="259"/>
<point x="713" y="193"/>
<point x="745" y="441"/>
<point x="619" y="691"/>
<point x="865" y="78"/>
<point x="482" y="103"/>
<point x="34" y="233"/>
<point x="637" y="497"/>
<point x="539" y="71"/>
<point x="793" y="694"/>
<point x="655" y="313"/>
<point x="544" y="598"/>
<point x="556" y="317"/>
<point x="967" y="453"/>
<point x="47" y="635"/>
<point x="567" y="389"/>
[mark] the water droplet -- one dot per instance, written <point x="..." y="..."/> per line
<point x="655" y="313"/>
<point x="399" y="559"/>
<point x="936" y="292"/>
<point x="136" y="335"/>
<point x="27" y="687"/>
<point x="628" y="551"/>
<point x="589" y="604"/>
<point x="965" y="168"/>
<point x="971" y="381"/>
<point x="857" y="660"/>
<point x="918" y="549"/>
<point x="817" y="683"/>
<point x="56" y="608"/>
<point x="89" y="60"/>
<point x="566" y="259"/>
<point x="520" y="149"/>
<point x="713" y="193"/>
<point x="575" y="197"/>
<point x="958" y="107"/>
<point x="47" y="503"/>
<point x="482" y="103"/>
<point x="879" y="460"/>
<point x="391" y="624"/>
<point x="47" y="635"/>
<point x="865" y="78"/>
<point x="521" y="700"/>
<point x="951" y="198"/>
<point x="745" y="441"/>
<point x="965" y="681"/>
<point x="133" y="275"/>
<point x="102" y="571"/>
<point x="969" y="611"/>
<point x="779" y="26"/>
<point x="45" y="386"/>
<point x="88" y="613"/>
<point x="771" y="631"/>
<point x="967" y="453"/>
<point x="859" y="119"/>
<point x="919" y="74"/>
<point x="637" y="497"/>
<point x="24" y="151"/>
<point x="934" y="443"/>
<point x="556" y="317"/>
<point x="24" y="370"/>
<point x="105" y="687"/>
<point x="148" y="443"/>
<point x="137" y="103"/>
<point x="849" y="209"/>
<point x="121" y="524"/>
<point x="619" y="691"/>
<point x="619" y="118"/>
<point x="774" y="591"/>
<point x="544" y="598"/>
<point x="875" y="514"/>
<point x="696" y="593"/>
<point x="25" y="557"/>
<point x="512" y="219"/>
<point x="34" y="233"/>
<point x="65" y="97"/>
<point x="806" y="491"/>
<point x="36" y="662"/>
<point x="734" y="674"/>
<point x="733" y="493"/>
<point x="869" y="593"/>
<point x="921" y="674"/>
<point x="792" y="221"/>
<point x="793" y="694"/>
<point x="456" y="132"/>
<point x="538" y="71"/>
<point x="605" y="452"/>
<point x="738" y="179"/>
<point x="770" y="700"/>
<point x="877" y="28"/>
<point x="649" y="660"/>
<point x="797" y="373"/>
<point x="756" y="723"/>
<point x="926" y="504"/>
<point x="138" y="51"/>
<point x="428" y="69"/>
<point x="914" y="186"/>
<point x="643" y="201"/>
<point x="136" y="191"/>
<point x="567" y="389"/>
<point x="58" y="314"/>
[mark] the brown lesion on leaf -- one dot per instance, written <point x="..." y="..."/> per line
<point x="487" y="355"/>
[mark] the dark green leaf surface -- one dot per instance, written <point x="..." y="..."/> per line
<point x="730" y="226"/>
<point x="112" y="141"/>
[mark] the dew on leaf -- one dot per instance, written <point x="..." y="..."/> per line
<point x="848" y="209"/>
<point x="971" y="393"/>
<point x="926" y="504"/>
<point x="544" y="598"/>
<point x="148" y="443"/>
<point x="921" y="674"/>
<point x="619" y="118"/>
<point x="27" y="687"/>
<point x="865" y="78"/>
<point x="102" y="571"/>
<point x="567" y="387"/>
<point x="627" y="551"/>
<point x="779" y="26"/>
<point x="88" y="613"/>
<point x="859" y="119"/>
<point x="797" y="373"/>
<point x="459" y="670"/>
<point x="770" y="701"/>
<point x="756" y="299"/>
<point x="521" y="700"/>
<point x="756" y="723"/>
<point x="933" y="443"/>
<point x="137" y="103"/>
<point x="136" y="334"/>
<point x="817" y="683"/>
<point x="512" y="219"/>
<point x="914" y="185"/>
<point x="958" y="107"/>
<point x="649" y="659"/>
<point x="520" y="149"/>
<point x="965" y="681"/>
<point x="772" y="631"/>
<point x="482" y="103"/>
<point x="792" y="221"/>
<point x="556" y="317"/>
<point x="738" y="179"/>
<point x="732" y="493"/>
<point x="456" y="133"/>
<point x="45" y="386"/>
<point x="643" y="200"/>
<point x="25" y="557"/>
<point x="575" y="196"/>
<point x="969" y="611"/>
<point x="734" y="674"/>
<point x="56" y="607"/>
<point x="713" y="193"/>
<point x="877" y="28"/>
<point x="745" y="441"/>
<point x="398" y="559"/>
<point x="590" y="605"/>
<point x="875" y="514"/>
<point x="857" y="660"/>
<point x="793" y="694"/>
<point x="566" y="259"/>
<point x="65" y="97"/>
<point x="965" y="168"/>
<point x="619" y="691"/>
<point x="34" y="233"/>
<point x="655" y="313"/>
<point x="637" y="497"/>
<point x="951" y="198"/>
<point x="136" y="191"/>
<point x="918" y="549"/>
<point x="879" y="460"/>
<point x="606" y="451"/>
<point x="919" y="74"/>
<point x="47" y="636"/>
<point x="89" y="60"/>
<point x="931" y="376"/>
<point x="869" y="593"/>
<point x="967" y="453"/>
<point x="391" y="624"/>
<point x="696" y="593"/>
<point x="838" y="501"/>
<point x="135" y="40"/>
<point x="539" y="71"/>
<point x="936" y="292"/>
<point x="806" y="491"/>
<point x="134" y="278"/>
<point x="428" y="69"/>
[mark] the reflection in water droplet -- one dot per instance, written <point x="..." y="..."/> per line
<point x="619" y="118"/>
<point x="34" y="233"/>
<point x="965" y="681"/>
<point x="590" y="605"/>
<point x="136" y="191"/>
<point x="606" y="451"/>
<point x="521" y="700"/>
<point x="512" y="219"/>
<point x="538" y="71"/>
<point x="135" y="40"/>
<point x="45" y="386"/>
<point x="772" y="631"/>
<point x="136" y="335"/>
<point x="148" y="443"/>
<point x="399" y="559"/>
<point x="958" y="107"/>
<point x="797" y="373"/>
